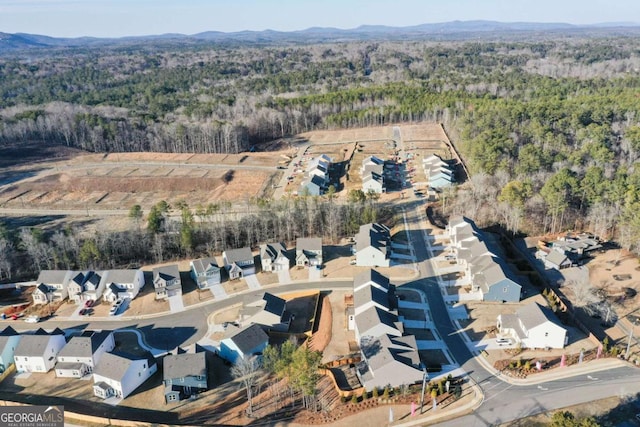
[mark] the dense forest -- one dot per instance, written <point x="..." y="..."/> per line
<point x="550" y="129"/>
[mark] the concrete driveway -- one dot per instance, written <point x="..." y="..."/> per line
<point x="253" y="283"/>
<point x="175" y="303"/>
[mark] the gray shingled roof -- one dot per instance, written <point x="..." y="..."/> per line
<point x="375" y="235"/>
<point x="556" y="257"/>
<point x="166" y="272"/>
<point x="184" y="365"/>
<point x="272" y="251"/>
<point x="84" y="346"/>
<point x="386" y="350"/>
<point x="238" y="255"/>
<point x="51" y="277"/>
<point x="115" y="365"/>
<point x="371" y="293"/>
<point x="374" y="316"/>
<point x="249" y="337"/>
<point x="370" y="275"/>
<point x="532" y="315"/>
<point x="32" y="345"/>
<point x="200" y="265"/>
<point x="309" y="244"/>
<point x="121" y="276"/>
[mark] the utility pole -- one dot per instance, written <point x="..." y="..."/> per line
<point x="633" y="325"/>
<point x="425" y="378"/>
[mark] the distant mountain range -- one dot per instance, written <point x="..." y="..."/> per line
<point x="437" y="31"/>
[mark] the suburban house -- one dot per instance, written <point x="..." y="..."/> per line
<point x="309" y="252"/>
<point x="270" y="312"/>
<point x="313" y="186"/>
<point x="185" y="375"/>
<point x="119" y="374"/>
<point x="376" y="321"/>
<point x="389" y="360"/>
<point x="371" y="296"/>
<point x="533" y="326"/>
<point x="37" y="352"/>
<point x="51" y="286"/>
<point x="373" y="278"/>
<point x="243" y="343"/>
<point x="321" y="170"/>
<point x="373" y="182"/>
<point x="205" y="272"/>
<point x="488" y="274"/>
<point x="86" y="286"/>
<point x="439" y="173"/>
<point x="81" y="355"/>
<point x="273" y="257"/>
<point x="373" y="246"/>
<point x="239" y="262"/>
<point x="122" y="284"/>
<point x="388" y="356"/>
<point x="9" y="339"/>
<point x="576" y="246"/>
<point x="554" y="258"/>
<point x="371" y="163"/>
<point x="166" y="281"/>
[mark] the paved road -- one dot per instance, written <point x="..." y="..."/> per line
<point x="505" y="402"/>
<point x="167" y="331"/>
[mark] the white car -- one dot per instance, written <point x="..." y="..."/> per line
<point x="32" y="319"/>
<point x="115" y="307"/>
<point x="501" y="341"/>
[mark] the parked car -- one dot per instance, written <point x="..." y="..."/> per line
<point x="88" y="303"/>
<point x="115" y="307"/>
<point x="502" y="341"/>
<point x="32" y="319"/>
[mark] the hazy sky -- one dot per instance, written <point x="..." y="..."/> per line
<point x="115" y="18"/>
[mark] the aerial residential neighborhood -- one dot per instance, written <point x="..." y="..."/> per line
<point x="337" y="214"/>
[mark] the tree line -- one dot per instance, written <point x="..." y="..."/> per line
<point x="550" y="129"/>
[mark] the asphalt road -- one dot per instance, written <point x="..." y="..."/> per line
<point x="167" y="331"/>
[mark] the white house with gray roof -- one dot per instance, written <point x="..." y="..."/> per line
<point x="242" y="343"/>
<point x="122" y="284"/>
<point x="389" y="360"/>
<point x="51" y="286"/>
<point x="373" y="246"/>
<point x="81" y="355"/>
<point x="166" y="281"/>
<point x="371" y="277"/>
<point x="533" y="326"/>
<point x="86" y="286"/>
<point x="205" y="272"/>
<point x="270" y="312"/>
<point x="309" y="251"/>
<point x="119" y="374"/>
<point x="375" y="321"/>
<point x="184" y="375"/>
<point x="38" y="352"/>
<point x="273" y="257"/>
<point x="239" y="262"/>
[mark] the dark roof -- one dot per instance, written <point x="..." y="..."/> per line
<point x="249" y="337"/>
<point x="8" y="332"/>
<point x="184" y="365"/>
<point x="274" y="304"/>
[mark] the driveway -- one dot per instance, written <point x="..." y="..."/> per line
<point x="252" y="282"/>
<point x="284" y="277"/>
<point x="314" y="273"/>
<point x="175" y="303"/>
<point x="218" y="292"/>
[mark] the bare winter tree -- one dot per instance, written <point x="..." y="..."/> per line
<point x="5" y="258"/>
<point x="247" y="371"/>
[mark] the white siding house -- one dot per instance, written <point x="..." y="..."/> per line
<point x="37" y="353"/>
<point x="122" y="284"/>
<point x="119" y="374"/>
<point x="81" y="355"/>
<point x="533" y="326"/>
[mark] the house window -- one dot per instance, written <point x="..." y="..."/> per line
<point x="546" y="334"/>
<point x="505" y="289"/>
<point x="171" y="397"/>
